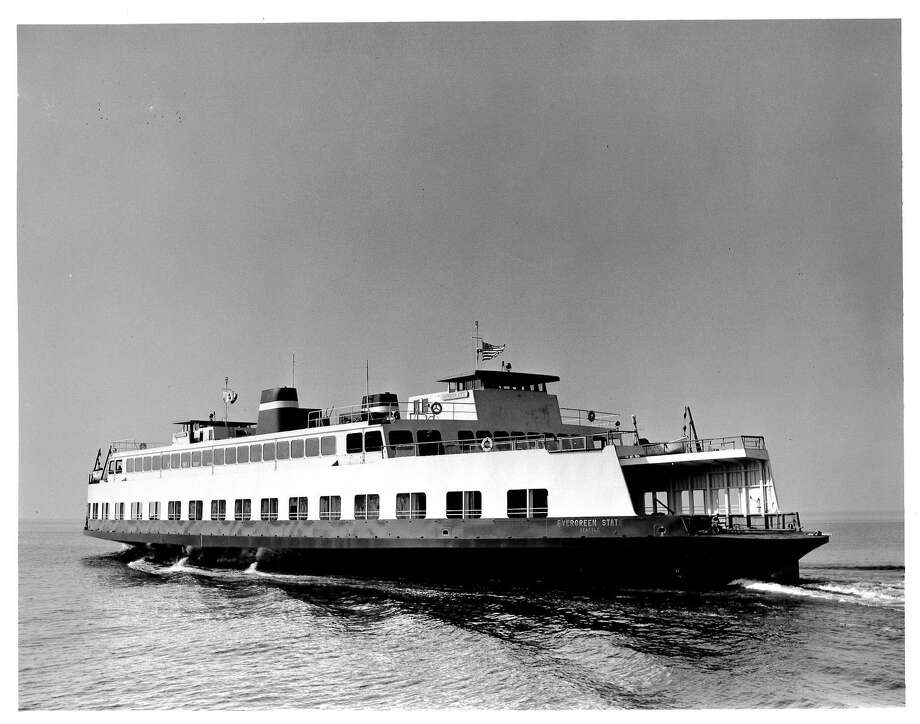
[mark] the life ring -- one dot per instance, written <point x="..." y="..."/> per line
<point x="436" y="408"/>
<point x="591" y="415"/>
<point x="486" y="444"/>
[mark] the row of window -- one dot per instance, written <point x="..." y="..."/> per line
<point x="400" y="441"/>
<point x="529" y="503"/>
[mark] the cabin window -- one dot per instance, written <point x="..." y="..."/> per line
<point x="119" y="511"/>
<point x="242" y="509"/>
<point x="255" y="453"/>
<point x="207" y="456"/>
<point x="501" y="440"/>
<point x="517" y="440"/>
<point x="531" y="503"/>
<point x="218" y="456"/>
<point x="284" y="449"/>
<point x="353" y="443"/>
<point x="174" y="510"/>
<point x="686" y="506"/>
<point x="156" y="462"/>
<point x="373" y="441"/>
<point x="327" y="445"/>
<point x="242" y="454"/>
<point x="230" y="456"/>
<point x="410" y="505"/>
<point x="367" y="507"/>
<point x="218" y="510"/>
<point x="268" y="451"/>
<point x="129" y="465"/>
<point x="95" y="511"/>
<point x="195" y="509"/>
<point x="464" y="504"/>
<point x="599" y="441"/>
<point x="118" y="467"/>
<point x="196" y="459"/>
<point x="185" y="460"/>
<point x="402" y="443"/>
<point x="174" y="461"/>
<point x="312" y="447"/>
<point x="298" y="508"/>
<point x="550" y="441"/>
<point x="466" y="440"/>
<point x="269" y="509"/>
<point x="153" y="511"/>
<point x="297" y="448"/>
<point x="137" y="511"/>
<point x="146" y="463"/>
<point x="648" y="503"/>
<point x="699" y="504"/>
<point x="330" y="507"/>
<point x="429" y="442"/>
<point x="105" y="511"/>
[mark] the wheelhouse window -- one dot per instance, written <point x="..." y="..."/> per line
<point x="153" y="511"/>
<point x="129" y="465"/>
<point x="269" y="509"/>
<point x="284" y="449"/>
<point x="373" y="441"/>
<point x="528" y="503"/>
<point x="298" y="508"/>
<point x="312" y="444"/>
<point x="255" y="453"/>
<point x="327" y="445"/>
<point x="174" y="510"/>
<point x="268" y="451"/>
<point x="297" y="448"/>
<point x="195" y="510"/>
<point x="367" y="507"/>
<point x="218" y="510"/>
<point x="118" y="467"/>
<point x="330" y="507"/>
<point x="464" y="504"/>
<point x="242" y="509"/>
<point x="353" y="443"/>
<point x="242" y="454"/>
<point x="410" y="505"/>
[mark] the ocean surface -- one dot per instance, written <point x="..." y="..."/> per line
<point x="100" y="632"/>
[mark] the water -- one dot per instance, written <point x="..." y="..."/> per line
<point x="100" y="632"/>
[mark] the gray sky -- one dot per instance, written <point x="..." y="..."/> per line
<point x="660" y="213"/>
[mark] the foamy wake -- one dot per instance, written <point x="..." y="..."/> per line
<point x="868" y="594"/>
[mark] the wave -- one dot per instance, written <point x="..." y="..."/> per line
<point x="869" y="594"/>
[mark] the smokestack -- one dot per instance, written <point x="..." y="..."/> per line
<point x="279" y="411"/>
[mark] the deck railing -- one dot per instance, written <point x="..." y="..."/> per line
<point x="713" y="444"/>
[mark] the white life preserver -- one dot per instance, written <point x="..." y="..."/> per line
<point x="436" y="408"/>
<point x="486" y="444"/>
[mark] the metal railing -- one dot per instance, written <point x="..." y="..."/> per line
<point x="713" y="444"/>
<point x="759" y="521"/>
<point x="118" y="446"/>
<point x="589" y="418"/>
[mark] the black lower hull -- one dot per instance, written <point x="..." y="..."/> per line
<point x="658" y="551"/>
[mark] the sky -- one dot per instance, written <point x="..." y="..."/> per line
<point x="661" y="213"/>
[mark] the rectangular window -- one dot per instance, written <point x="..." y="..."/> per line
<point x="367" y="507"/>
<point x="156" y="462"/>
<point x="327" y="445"/>
<point x="699" y="506"/>
<point x="153" y="511"/>
<point x="269" y="509"/>
<point x="353" y="443"/>
<point x="195" y="510"/>
<point x="218" y="456"/>
<point x="230" y="456"/>
<point x="410" y="505"/>
<point x="464" y="504"/>
<point x="95" y="511"/>
<point x="196" y="458"/>
<point x="218" y="510"/>
<point x="373" y="441"/>
<point x="284" y="449"/>
<point x="174" y="461"/>
<point x="402" y="443"/>
<point x="137" y="510"/>
<point x="242" y="454"/>
<point x="186" y="460"/>
<point x="118" y="467"/>
<point x="297" y="448"/>
<point x="174" y="510"/>
<point x="313" y="447"/>
<point x="105" y="511"/>
<point x="298" y="509"/>
<point x="268" y="451"/>
<point x="330" y="507"/>
<point x="129" y="465"/>
<point x="255" y="453"/>
<point x="532" y="503"/>
<point x="242" y="509"/>
<point x="147" y="464"/>
<point x="119" y="511"/>
<point x="206" y="457"/>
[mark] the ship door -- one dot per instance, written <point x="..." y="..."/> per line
<point x="354" y="448"/>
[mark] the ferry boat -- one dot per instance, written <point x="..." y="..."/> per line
<point x="487" y="477"/>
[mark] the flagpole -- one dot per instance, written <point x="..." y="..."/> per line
<point x="476" y="347"/>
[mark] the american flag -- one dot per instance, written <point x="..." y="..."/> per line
<point x="491" y="351"/>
